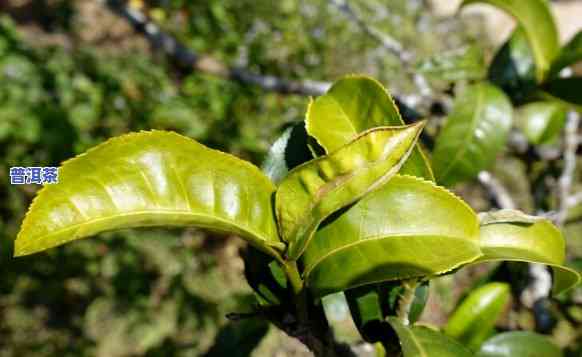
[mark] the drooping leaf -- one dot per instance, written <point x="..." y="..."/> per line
<point x="151" y="179"/>
<point x="513" y="67"/>
<point x="351" y="106"/>
<point x="474" y="320"/>
<point x="536" y="242"/>
<point x="407" y="228"/>
<point x="570" y="54"/>
<point x="371" y="304"/>
<point x="239" y="338"/>
<point x="538" y="23"/>
<point x="474" y="133"/>
<point x="313" y="191"/>
<point x="291" y="149"/>
<point x="460" y="64"/>
<point x="541" y="122"/>
<point x="567" y="90"/>
<point x="519" y="343"/>
<point x="420" y="341"/>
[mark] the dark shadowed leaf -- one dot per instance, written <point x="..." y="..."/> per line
<point x="239" y="338"/>
<point x="538" y="23"/>
<point x="567" y="90"/>
<point x="151" y="179"/>
<point x="474" y="133"/>
<point x="513" y="67"/>
<point x="473" y="321"/>
<point x="407" y="228"/>
<point x="519" y="343"/>
<point x="351" y="106"/>
<point x="570" y="54"/>
<point x="318" y="188"/>
<point x="420" y="341"/>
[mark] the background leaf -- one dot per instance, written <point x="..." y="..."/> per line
<point x="513" y="67"/>
<point x="420" y="341"/>
<point x="570" y="54"/>
<point x="541" y="122"/>
<point x="390" y="235"/>
<point x="539" y="242"/>
<point x="151" y="179"/>
<point x="318" y="188"/>
<point x="566" y="90"/>
<point x="538" y="23"/>
<point x="474" y="133"/>
<point x="465" y="63"/>
<point x="519" y="343"/>
<point x="351" y="106"/>
<point x="474" y="319"/>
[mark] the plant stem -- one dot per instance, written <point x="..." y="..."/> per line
<point x="406" y="300"/>
<point x="297" y="287"/>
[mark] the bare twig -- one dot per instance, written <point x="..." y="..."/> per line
<point x="496" y="189"/>
<point x="565" y="181"/>
<point x="406" y="300"/>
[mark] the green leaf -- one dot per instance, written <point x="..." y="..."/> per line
<point x="465" y="63"/>
<point x="519" y="343"/>
<point x="566" y="90"/>
<point x="538" y="23"/>
<point x="420" y="341"/>
<point x="513" y="68"/>
<point x="541" y="122"/>
<point x="407" y="228"/>
<point x="291" y="149"/>
<point x="266" y="277"/>
<point x="474" y="133"/>
<point x="351" y="106"/>
<point x="151" y="179"/>
<point x="536" y="242"/>
<point x="313" y="191"/>
<point x="371" y="304"/>
<point x="570" y="54"/>
<point x="474" y="320"/>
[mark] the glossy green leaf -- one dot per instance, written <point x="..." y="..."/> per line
<point x="536" y="242"/>
<point x="460" y="64"/>
<point x="474" y="320"/>
<point x="538" y="23"/>
<point x="151" y="179"/>
<point x="567" y="90"/>
<point x="313" y="191"/>
<point x="541" y="122"/>
<point x="519" y="343"/>
<point x="407" y="228"/>
<point x="474" y="133"/>
<point x="570" y="54"/>
<point x="420" y="341"/>
<point x="513" y="67"/>
<point x="351" y="106"/>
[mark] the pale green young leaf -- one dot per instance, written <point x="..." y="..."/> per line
<point x="474" y="133"/>
<point x="421" y="341"/>
<point x="519" y="343"/>
<point x="536" y="242"/>
<point x="151" y="179"/>
<point x="351" y="106"/>
<point x="541" y="122"/>
<point x="536" y="19"/>
<point x="313" y="191"/>
<point x="407" y="228"/>
<point x="474" y="320"/>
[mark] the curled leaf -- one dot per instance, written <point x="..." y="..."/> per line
<point x="313" y="191"/>
<point x="151" y="179"/>
<point x="407" y="228"/>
